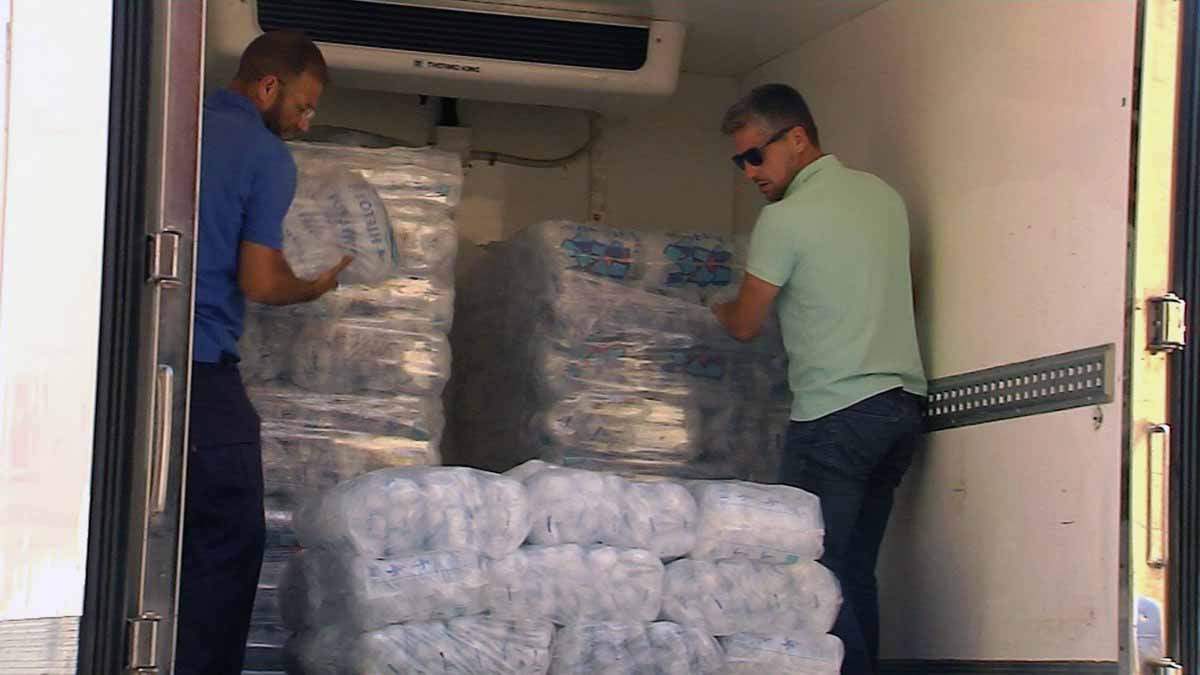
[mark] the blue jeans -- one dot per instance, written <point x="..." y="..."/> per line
<point x="853" y="460"/>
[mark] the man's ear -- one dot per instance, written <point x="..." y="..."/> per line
<point x="800" y="139"/>
<point x="268" y="88"/>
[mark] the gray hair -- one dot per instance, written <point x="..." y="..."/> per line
<point x="773" y="107"/>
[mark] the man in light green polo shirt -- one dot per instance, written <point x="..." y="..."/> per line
<point x="831" y="254"/>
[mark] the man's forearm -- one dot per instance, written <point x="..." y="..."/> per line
<point x="289" y="290"/>
<point x="736" y="323"/>
<point x="266" y="277"/>
<point x="744" y="317"/>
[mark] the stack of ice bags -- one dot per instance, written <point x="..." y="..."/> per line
<point x="352" y="382"/>
<point x="558" y="570"/>
<point x="739" y="567"/>
<point x="596" y="348"/>
<point x="395" y="576"/>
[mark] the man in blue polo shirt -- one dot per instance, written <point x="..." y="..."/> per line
<point x="247" y="181"/>
<point x="830" y="252"/>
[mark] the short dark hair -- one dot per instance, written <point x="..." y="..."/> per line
<point x="284" y="54"/>
<point x="774" y="107"/>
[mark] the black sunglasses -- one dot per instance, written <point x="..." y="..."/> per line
<point x="754" y="156"/>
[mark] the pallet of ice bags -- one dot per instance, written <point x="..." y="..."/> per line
<point x="572" y="506"/>
<point x="318" y="652"/>
<point x="392" y="210"/>
<point x="613" y="648"/>
<point x="415" y="305"/>
<point x="327" y="415"/>
<point x="582" y="307"/>
<point x="428" y="299"/>
<point x="794" y="653"/>
<point x="593" y="347"/>
<point x="477" y="645"/>
<point x="322" y="588"/>
<point x="320" y="351"/>
<point x="302" y="460"/>
<point x="635" y="359"/>
<point x="267" y="634"/>
<point x="416" y="295"/>
<point x="303" y="456"/>
<point x="369" y="355"/>
<point x="396" y="173"/>
<point x="391" y="512"/>
<point x="570" y="584"/>
<point x="691" y="266"/>
<point x="641" y="434"/>
<point x="411" y="416"/>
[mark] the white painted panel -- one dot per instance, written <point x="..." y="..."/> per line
<point x="669" y="169"/>
<point x="1004" y="543"/>
<point x="726" y="38"/>
<point x="499" y="199"/>
<point x="1006" y="126"/>
<point x="50" y="275"/>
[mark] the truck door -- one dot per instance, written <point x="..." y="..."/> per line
<point x="1185" y="367"/>
<point x="145" y="346"/>
<point x="1151" y="546"/>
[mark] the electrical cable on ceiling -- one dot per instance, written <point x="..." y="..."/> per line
<point x="325" y="133"/>
<point x="540" y="163"/>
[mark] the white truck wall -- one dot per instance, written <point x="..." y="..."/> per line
<point x="660" y="168"/>
<point x="54" y="94"/>
<point x="1006" y="126"/>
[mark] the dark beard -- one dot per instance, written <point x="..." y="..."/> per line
<point x="271" y="117"/>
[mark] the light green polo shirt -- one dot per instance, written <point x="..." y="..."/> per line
<point x="837" y="246"/>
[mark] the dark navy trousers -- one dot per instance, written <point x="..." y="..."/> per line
<point x="224" y="529"/>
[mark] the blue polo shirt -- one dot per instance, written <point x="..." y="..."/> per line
<point x="247" y="181"/>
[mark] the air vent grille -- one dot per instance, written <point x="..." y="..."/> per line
<point x="461" y="33"/>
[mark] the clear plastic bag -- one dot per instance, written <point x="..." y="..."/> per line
<point x="339" y="213"/>
<point x="325" y="588"/>
<point x="571" y="506"/>
<point x="741" y="596"/>
<point x="478" y="645"/>
<point x="572" y="584"/>
<point x="795" y="654"/>
<point x="392" y="512"/>
<point x="767" y="523"/>
<point x="662" y="648"/>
